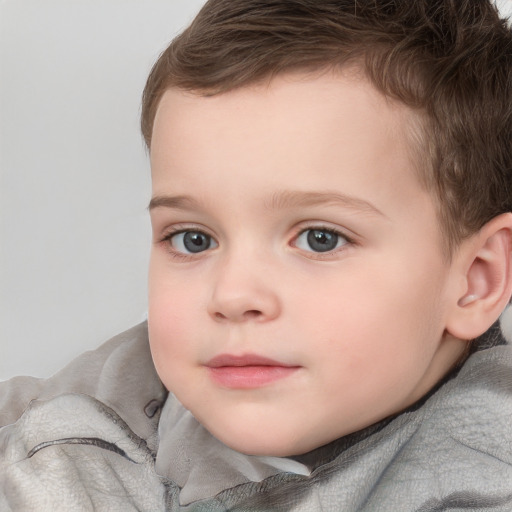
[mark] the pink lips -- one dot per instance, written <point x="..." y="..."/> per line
<point x="247" y="371"/>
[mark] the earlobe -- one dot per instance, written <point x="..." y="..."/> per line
<point x="485" y="261"/>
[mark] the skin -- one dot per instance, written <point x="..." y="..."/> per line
<point x="364" y="324"/>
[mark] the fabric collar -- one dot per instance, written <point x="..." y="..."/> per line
<point x="201" y="465"/>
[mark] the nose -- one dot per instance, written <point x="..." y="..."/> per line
<point x="243" y="292"/>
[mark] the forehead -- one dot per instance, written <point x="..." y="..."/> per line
<point x="301" y="131"/>
<point x="296" y="94"/>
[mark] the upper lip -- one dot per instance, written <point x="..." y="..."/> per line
<point x="243" y="360"/>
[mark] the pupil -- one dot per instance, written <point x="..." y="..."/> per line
<point x="322" y="241"/>
<point x="196" y="242"/>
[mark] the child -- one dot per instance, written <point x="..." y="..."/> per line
<point x="332" y="229"/>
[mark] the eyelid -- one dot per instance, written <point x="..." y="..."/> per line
<point x="327" y="226"/>
<point x="183" y="228"/>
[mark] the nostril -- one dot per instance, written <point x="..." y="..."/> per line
<point x="246" y="315"/>
<point x="252" y="313"/>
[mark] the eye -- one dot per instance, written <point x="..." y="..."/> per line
<point x="191" y="242"/>
<point x="320" y="240"/>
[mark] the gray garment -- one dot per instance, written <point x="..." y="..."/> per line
<point x="120" y="373"/>
<point x="95" y="449"/>
<point x="87" y="440"/>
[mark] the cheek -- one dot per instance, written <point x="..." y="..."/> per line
<point x="375" y="318"/>
<point x="173" y="296"/>
<point x="372" y="347"/>
<point x="172" y="321"/>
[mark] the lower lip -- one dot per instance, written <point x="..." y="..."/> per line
<point x="248" y="377"/>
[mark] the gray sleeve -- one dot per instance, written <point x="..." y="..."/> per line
<point x="72" y="452"/>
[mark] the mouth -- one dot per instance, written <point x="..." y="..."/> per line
<point x="247" y="371"/>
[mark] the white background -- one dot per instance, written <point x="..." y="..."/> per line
<point x="74" y="176"/>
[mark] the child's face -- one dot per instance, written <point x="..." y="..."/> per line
<point x="305" y="250"/>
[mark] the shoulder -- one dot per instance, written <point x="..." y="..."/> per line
<point x="475" y="409"/>
<point x="460" y="455"/>
<point x="120" y="373"/>
<point x="72" y="452"/>
<point x="85" y="436"/>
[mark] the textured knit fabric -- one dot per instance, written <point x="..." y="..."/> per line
<point x="104" y="435"/>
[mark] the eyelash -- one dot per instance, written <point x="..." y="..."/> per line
<point x="175" y="254"/>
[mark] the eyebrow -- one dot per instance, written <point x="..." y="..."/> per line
<point x="297" y="199"/>
<point x="175" y="202"/>
<point x="280" y="200"/>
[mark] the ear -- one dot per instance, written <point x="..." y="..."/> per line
<point x="484" y="263"/>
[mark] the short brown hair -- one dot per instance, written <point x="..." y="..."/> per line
<point x="449" y="60"/>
